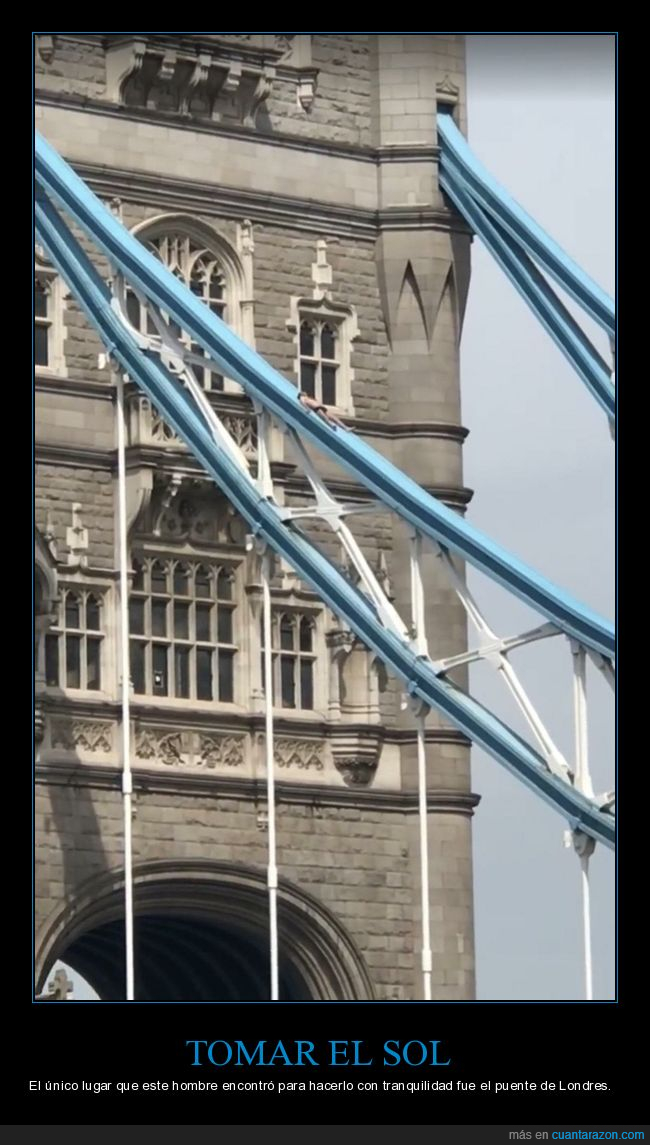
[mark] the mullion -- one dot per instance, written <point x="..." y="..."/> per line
<point x="179" y="645"/>
<point x="317" y="346"/>
<point x="171" y="651"/>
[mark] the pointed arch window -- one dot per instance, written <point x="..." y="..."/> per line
<point x="324" y="334"/>
<point x="200" y="270"/>
<point x="213" y="270"/>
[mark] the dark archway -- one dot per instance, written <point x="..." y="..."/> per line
<point x="201" y="935"/>
<point x="181" y="957"/>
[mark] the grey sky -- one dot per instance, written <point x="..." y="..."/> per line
<point x="539" y="455"/>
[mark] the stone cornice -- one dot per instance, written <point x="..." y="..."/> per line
<point x="237" y="722"/>
<point x="406" y="153"/>
<point x="72" y="387"/>
<point x="73" y="455"/>
<point x="224" y="787"/>
<point x="241" y="406"/>
<point x="293" y="212"/>
<point x="160" y="459"/>
<point x="406" y="429"/>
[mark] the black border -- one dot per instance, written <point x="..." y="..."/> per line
<point x="496" y="1041"/>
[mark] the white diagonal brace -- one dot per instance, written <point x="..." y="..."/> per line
<point x="555" y="761"/>
<point x="327" y="508"/>
<point x="176" y="357"/>
<point x="497" y="646"/>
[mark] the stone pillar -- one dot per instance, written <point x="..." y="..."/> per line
<point x="423" y="272"/>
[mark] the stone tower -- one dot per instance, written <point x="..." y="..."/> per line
<point x="292" y="182"/>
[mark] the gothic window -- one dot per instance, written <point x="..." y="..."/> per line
<point x="48" y="328"/>
<point x="324" y="332"/>
<point x="42" y="320"/>
<point x="73" y="647"/>
<point x="181" y="619"/>
<point x="319" y="361"/>
<point x="217" y="273"/>
<point x="200" y="270"/>
<point x="293" y="658"/>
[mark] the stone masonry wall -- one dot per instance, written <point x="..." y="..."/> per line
<point x="359" y="863"/>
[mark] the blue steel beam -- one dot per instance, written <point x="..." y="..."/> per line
<point x="264" y="518"/>
<point x="266" y="386"/>
<point x="540" y="246"/>
<point x="535" y="291"/>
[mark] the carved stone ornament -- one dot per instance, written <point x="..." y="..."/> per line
<point x="356" y="753"/>
<point x="447" y="91"/>
<point x="188" y="749"/>
<point x="221" y="751"/>
<point x="158" y="744"/>
<point x="243" y="432"/>
<point x="46" y="47"/>
<point x="189" y="511"/>
<point x="222" y="77"/>
<point x="39" y="723"/>
<point x="302" y="754"/>
<point x="357" y="772"/>
<point x="81" y="734"/>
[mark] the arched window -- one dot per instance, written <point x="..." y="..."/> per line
<point x="212" y="270"/>
<point x="324" y="333"/>
<point x="181" y="618"/>
<point x="319" y="362"/>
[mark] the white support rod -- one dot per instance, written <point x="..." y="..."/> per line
<point x="319" y="489"/>
<point x="272" y="870"/>
<point x="467" y="600"/>
<point x="556" y="762"/>
<point x="497" y="647"/>
<point x="329" y="509"/>
<point x="176" y="357"/>
<point x="586" y="925"/>
<point x="424" y="861"/>
<point x="554" y="758"/>
<point x="420" y="640"/>
<point x="582" y="776"/>
<point x="127" y="779"/>
<point x="388" y="615"/>
<point x="340" y="509"/>
<point x="583" y="845"/>
<point x="417" y="595"/>
<point x="264" y="475"/>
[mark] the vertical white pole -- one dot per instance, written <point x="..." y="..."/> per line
<point x="586" y="926"/>
<point x="612" y="344"/>
<point x="584" y="845"/>
<point x="424" y="861"/>
<point x="272" y="875"/>
<point x="582" y="776"/>
<point x="127" y="779"/>
<point x="417" y="611"/>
